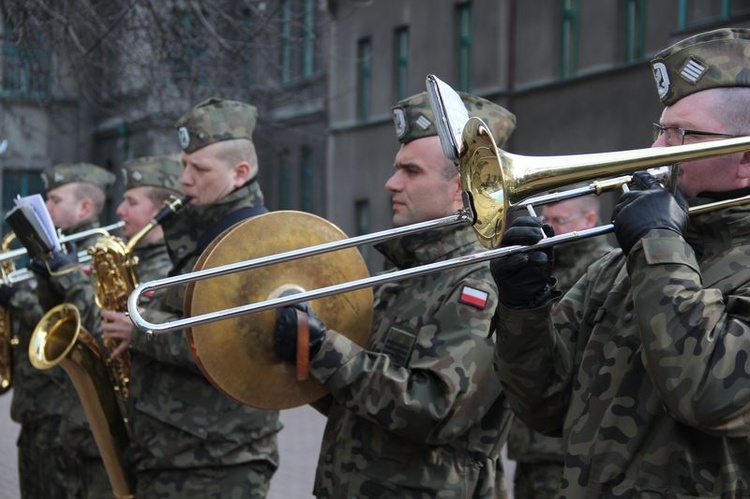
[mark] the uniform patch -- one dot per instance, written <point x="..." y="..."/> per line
<point x="661" y="76"/>
<point x="693" y="70"/>
<point x="398" y="345"/>
<point x="184" y="136"/>
<point x="399" y="122"/>
<point x="474" y="297"/>
<point x="423" y="122"/>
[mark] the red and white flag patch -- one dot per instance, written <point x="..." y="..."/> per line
<point x="474" y="297"/>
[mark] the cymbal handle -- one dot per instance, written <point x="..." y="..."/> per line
<point x="303" y="346"/>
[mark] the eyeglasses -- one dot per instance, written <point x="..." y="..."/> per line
<point x="676" y="136"/>
<point x="563" y="220"/>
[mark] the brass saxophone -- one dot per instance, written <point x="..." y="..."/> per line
<point x="59" y="339"/>
<point x="113" y="267"/>
<point x="7" y="339"/>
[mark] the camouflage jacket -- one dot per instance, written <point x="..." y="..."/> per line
<point x="571" y="262"/>
<point x="180" y="419"/>
<point x="641" y="366"/>
<point x="38" y="395"/>
<point x="419" y="412"/>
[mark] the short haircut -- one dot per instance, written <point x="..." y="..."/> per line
<point x="84" y="190"/>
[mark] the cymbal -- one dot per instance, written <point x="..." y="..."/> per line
<point x="237" y="355"/>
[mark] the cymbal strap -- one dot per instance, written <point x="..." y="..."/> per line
<point x="303" y="346"/>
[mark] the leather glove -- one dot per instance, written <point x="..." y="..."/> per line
<point x="7" y="292"/>
<point x="649" y="207"/>
<point x="523" y="279"/>
<point x="57" y="262"/>
<point x="285" y="337"/>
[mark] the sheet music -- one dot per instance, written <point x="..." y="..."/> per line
<point x="36" y="203"/>
<point x="451" y="116"/>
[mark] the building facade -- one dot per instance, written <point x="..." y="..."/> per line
<point x="325" y="74"/>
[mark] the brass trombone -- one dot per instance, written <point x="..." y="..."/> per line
<point x="494" y="181"/>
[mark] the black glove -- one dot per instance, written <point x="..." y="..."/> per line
<point x="7" y="292"/>
<point x="649" y="207"/>
<point x="285" y="338"/>
<point x="523" y="279"/>
<point x="57" y="262"/>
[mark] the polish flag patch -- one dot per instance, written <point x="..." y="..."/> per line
<point x="474" y="297"/>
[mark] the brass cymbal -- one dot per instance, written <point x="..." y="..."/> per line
<point x="237" y="354"/>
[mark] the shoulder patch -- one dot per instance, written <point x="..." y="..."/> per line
<point x="474" y="297"/>
<point x="398" y="345"/>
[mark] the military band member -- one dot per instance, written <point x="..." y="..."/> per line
<point x="539" y="458"/>
<point x="642" y="366"/>
<point x="192" y="441"/>
<point x="419" y="411"/>
<point x="57" y="455"/>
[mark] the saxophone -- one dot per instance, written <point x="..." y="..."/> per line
<point x="59" y="339"/>
<point x="7" y="340"/>
<point x="113" y="268"/>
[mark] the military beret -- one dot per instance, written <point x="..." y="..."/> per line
<point x="413" y="117"/>
<point x="215" y="120"/>
<point x="67" y="173"/>
<point x="719" y="58"/>
<point x="153" y="171"/>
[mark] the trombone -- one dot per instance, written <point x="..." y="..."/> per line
<point x="25" y="274"/>
<point x="493" y="181"/>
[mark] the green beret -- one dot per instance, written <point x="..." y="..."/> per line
<point x="153" y="171"/>
<point x="719" y="58"/>
<point x="215" y="120"/>
<point x="413" y="117"/>
<point x="67" y="173"/>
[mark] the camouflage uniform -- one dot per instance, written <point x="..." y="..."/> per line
<point x="641" y="365"/>
<point x="539" y="458"/>
<point x="435" y="425"/>
<point x="55" y="441"/>
<point x="190" y="439"/>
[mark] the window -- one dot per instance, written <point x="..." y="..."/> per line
<point x="364" y="223"/>
<point x="26" y="64"/>
<point x="364" y="68"/>
<point x="297" y="40"/>
<point x="285" y="182"/>
<point x="569" y="42"/>
<point x="401" y="60"/>
<point x="463" y="24"/>
<point x="693" y="12"/>
<point x="285" y="45"/>
<point x="306" y="178"/>
<point x="187" y="57"/>
<point x="308" y="37"/>
<point x="635" y="29"/>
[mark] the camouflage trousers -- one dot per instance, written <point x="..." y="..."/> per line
<point x="46" y="469"/>
<point x="242" y="481"/>
<point x="536" y="480"/>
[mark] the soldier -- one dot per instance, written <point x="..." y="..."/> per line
<point x="419" y="411"/>
<point x="191" y="440"/>
<point x="149" y="182"/>
<point x="539" y="458"/>
<point x="642" y="364"/>
<point x="57" y="455"/>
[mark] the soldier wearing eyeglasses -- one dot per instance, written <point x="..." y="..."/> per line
<point x="642" y="367"/>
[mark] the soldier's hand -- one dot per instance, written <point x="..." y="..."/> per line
<point x="651" y="207"/>
<point x="523" y="279"/>
<point x="117" y="326"/>
<point x="285" y="337"/>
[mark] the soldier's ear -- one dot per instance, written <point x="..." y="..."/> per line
<point x="241" y="172"/>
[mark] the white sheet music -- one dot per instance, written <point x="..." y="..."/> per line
<point x="36" y="203"/>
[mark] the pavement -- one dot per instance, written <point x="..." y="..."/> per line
<point x="299" y="444"/>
